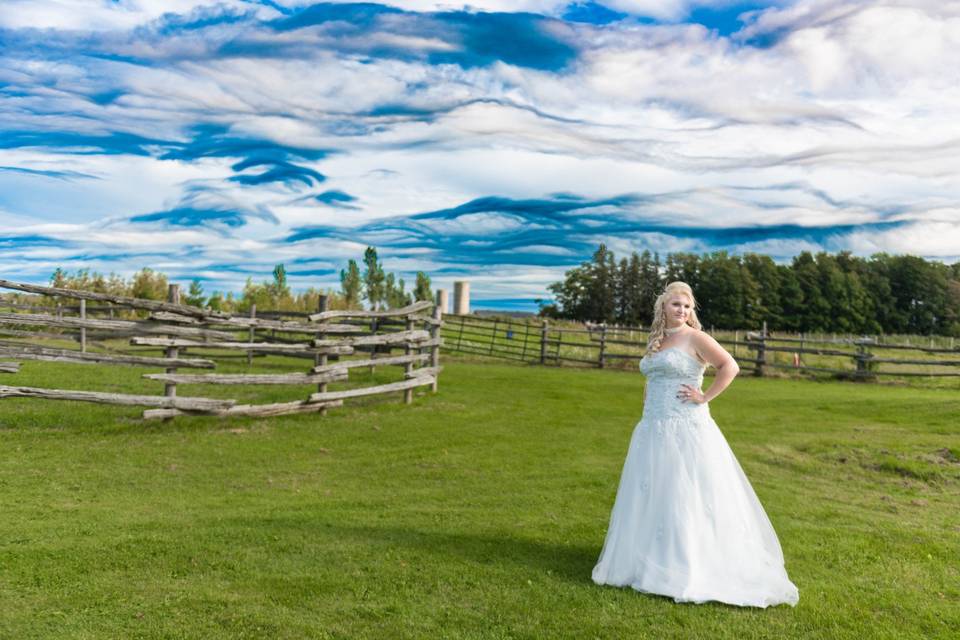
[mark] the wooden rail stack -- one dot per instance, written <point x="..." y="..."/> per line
<point x="183" y="332"/>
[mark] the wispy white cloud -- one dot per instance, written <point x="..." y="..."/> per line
<point x="209" y="137"/>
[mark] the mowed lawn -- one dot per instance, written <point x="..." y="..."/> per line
<point x="477" y="512"/>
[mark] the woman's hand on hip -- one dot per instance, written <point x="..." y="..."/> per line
<point x="688" y="393"/>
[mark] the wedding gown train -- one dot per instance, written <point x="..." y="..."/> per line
<point x="686" y="523"/>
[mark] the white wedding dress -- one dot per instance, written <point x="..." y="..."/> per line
<point x="686" y="522"/>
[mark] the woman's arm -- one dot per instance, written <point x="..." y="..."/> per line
<point x="727" y="368"/>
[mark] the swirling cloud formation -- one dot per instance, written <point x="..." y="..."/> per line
<point x="498" y="142"/>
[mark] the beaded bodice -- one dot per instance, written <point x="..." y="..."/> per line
<point x="666" y="371"/>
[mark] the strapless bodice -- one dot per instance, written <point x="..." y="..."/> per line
<point x="666" y="371"/>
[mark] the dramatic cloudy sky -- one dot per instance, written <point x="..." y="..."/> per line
<point x="498" y="142"/>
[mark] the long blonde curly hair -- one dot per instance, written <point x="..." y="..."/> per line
<point x="657" y="328"/>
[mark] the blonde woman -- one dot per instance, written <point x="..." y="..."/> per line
<point x="686" y="523"/>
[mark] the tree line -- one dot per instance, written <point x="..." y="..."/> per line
<point x="372" y="285"/>
<point x="820" y="292"/>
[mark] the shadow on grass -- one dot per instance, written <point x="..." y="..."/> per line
<point x="572" y="563"/>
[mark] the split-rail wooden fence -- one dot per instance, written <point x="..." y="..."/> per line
<point x="757" y="352"/>
<point x="185" y="333"/>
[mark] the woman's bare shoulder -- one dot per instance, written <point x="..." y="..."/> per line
<point x="708" y="348"/>
<point x="701" y="338"/>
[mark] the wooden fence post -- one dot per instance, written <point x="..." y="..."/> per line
<point x="493" y="338"/>
<point x="83" y="330"/>
<point x="253" y="332"/>
<point x="543" y="343"/>
<point x="374" y="325"/>
<point x="761" y="352"/>
<point x="526" y="337"/>
<point x="170" y="389"/>
<point x="408" y="367"/>
<point x="435" y="349"/>
<point x="603" y="345"/>
<point x="862" y="359"/>
<point x="321" y="358"/>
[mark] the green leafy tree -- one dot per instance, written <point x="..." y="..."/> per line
<point x="255" y="293"/>
<point x="720" y="291"/>
<point x="216" y="301"/>
<point x="547" y="309"/>
<point x="351" y="284"/>
<point x="875" y="276"/>
<point x="763" y="301"/>
<point x="279" y="289"/>
<point x="149" y="285"/>
<point x="919" y="289"/>
<point x="825" y="292"/>
<point x="116" y="285"/>
<point x="684" y="267"/>
<point x="791" y="300"/>
<point x="570" y="293"/>
<point x="374" y="279"/>
<point x="628" y="289"/>
<point x="601" y="294"/>
<point x="422" y="290"/>
<point x="59" y="279"/>
<point x="951" y="316"/>
<point x="651" y="285"/>
<point x="396" y="296"/>
<point x="815" y="312"/>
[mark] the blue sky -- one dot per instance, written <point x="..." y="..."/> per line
<point x="498" y="142"/>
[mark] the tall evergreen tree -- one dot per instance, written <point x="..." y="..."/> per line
<point x="374" y="279"/>
<point x="601" y="293"/>
<point x="840" y="316"/>
<point x="684" y="267"/>
<point x="815" y="312"/>
<point x="195" y="295"/>
<point x="395" y="296"/>
<point x="843" y="293"/>
<point x="651" y="285"/>
<point x="876" y="280"/>
<point x="351" y="284"/>
<point x="763" y="301"/>
<point x="422" y="290"/>
<point x="627" y="286"/>
<point x="863" y="285"/>
<point x="720" y="292"/>
<point x="791" y="300"/>
<point x="279" y="287"/>
<point x="59" y="278"/>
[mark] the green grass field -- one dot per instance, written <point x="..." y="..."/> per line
<point x="474" y="513"/>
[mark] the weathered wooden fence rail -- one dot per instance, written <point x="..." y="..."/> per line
<point x="755" y="351"/>
<point x="179" y="331"/>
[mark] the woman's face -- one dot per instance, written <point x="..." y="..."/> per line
<point x="678" y="310"/>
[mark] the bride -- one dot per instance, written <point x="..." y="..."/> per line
<point x="686" y="522"/>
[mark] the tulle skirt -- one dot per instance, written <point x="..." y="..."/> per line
<point x="687" y="524"/>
